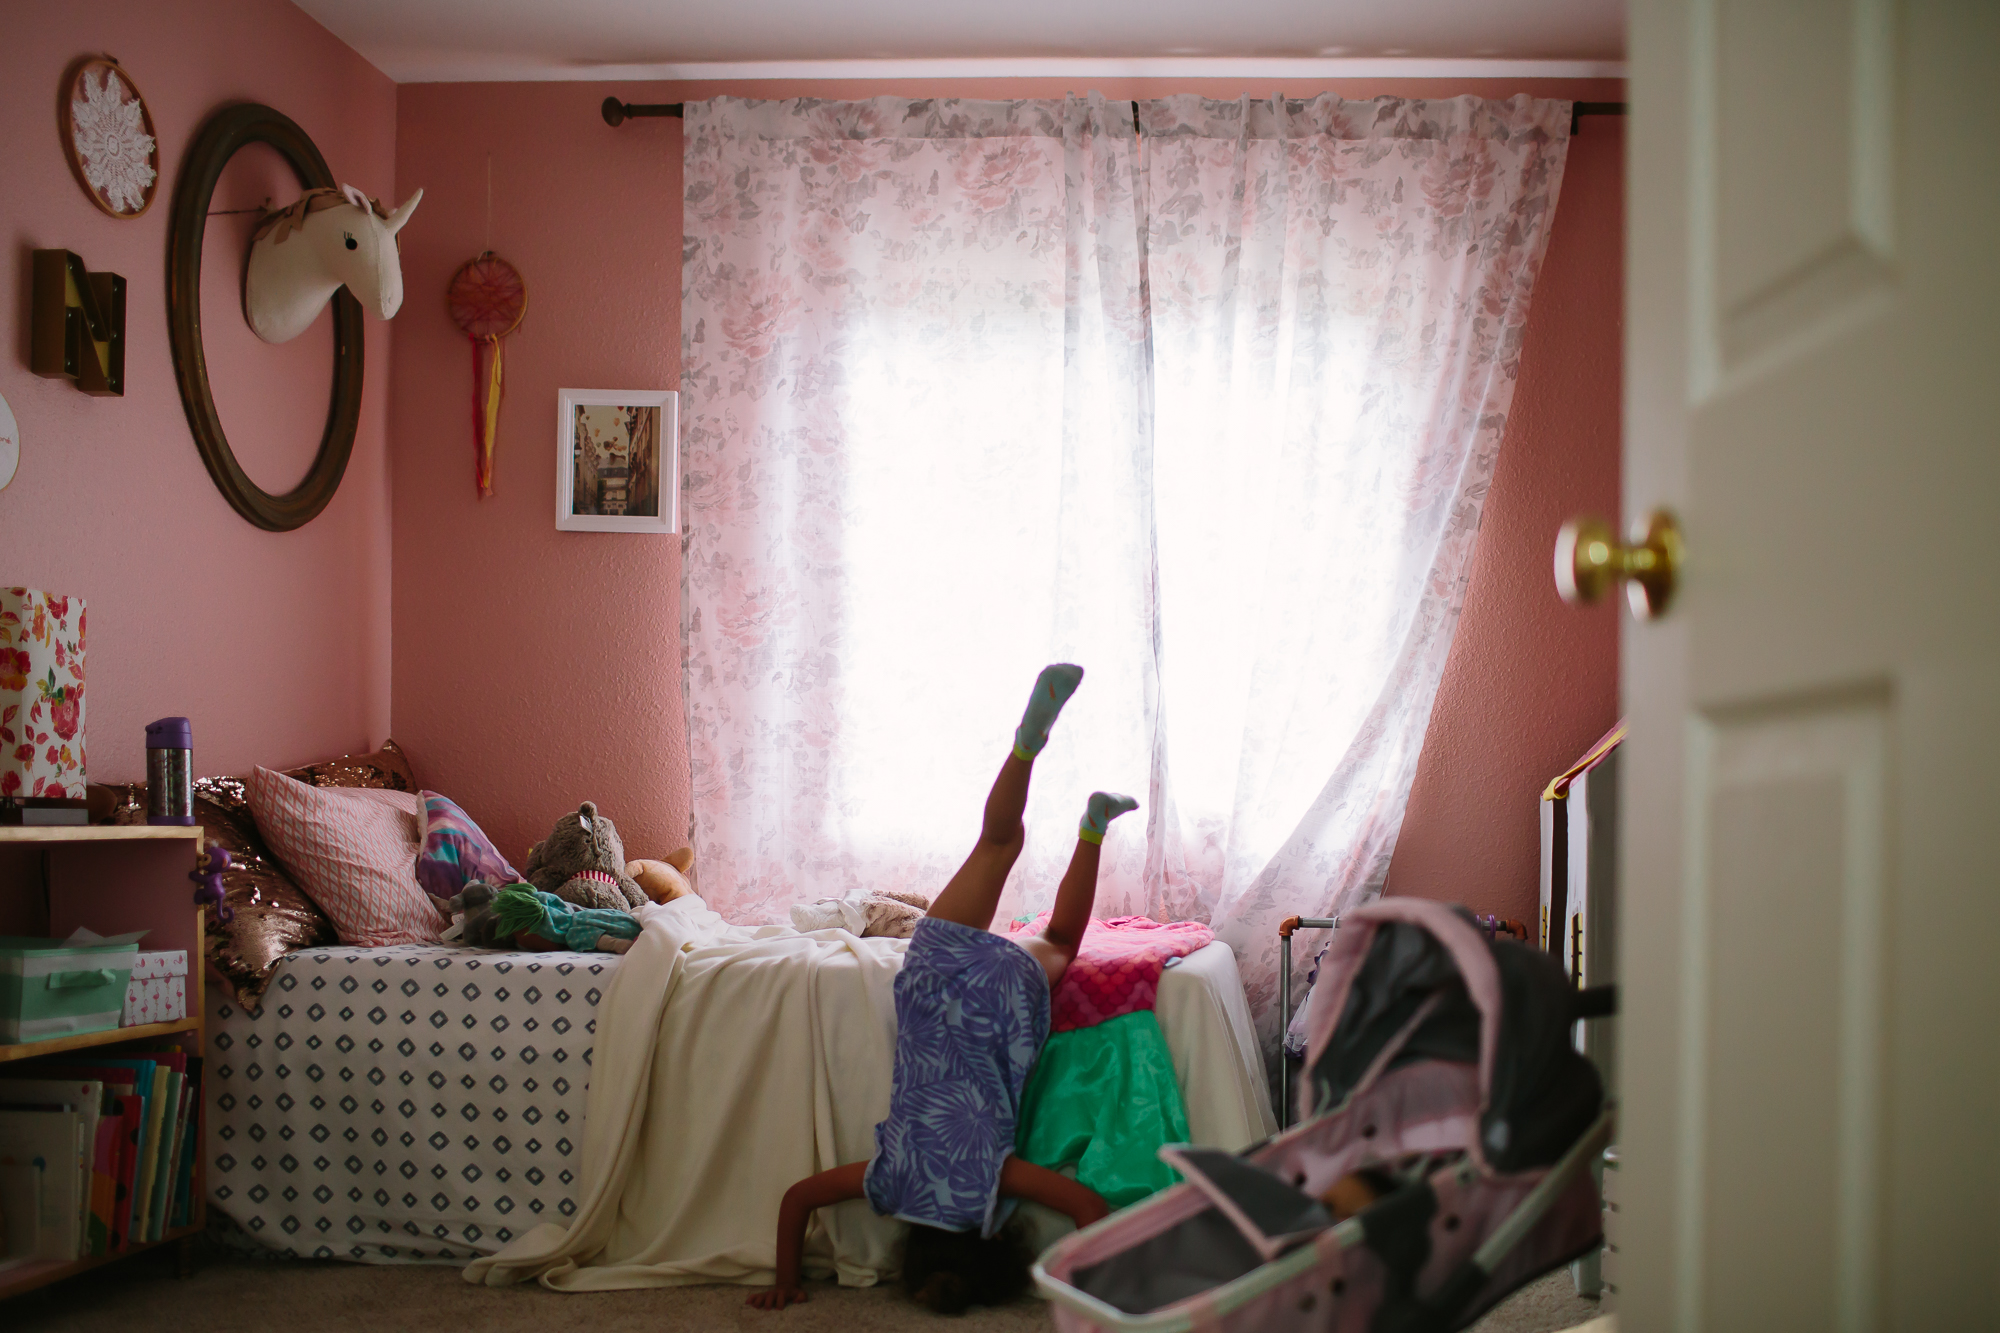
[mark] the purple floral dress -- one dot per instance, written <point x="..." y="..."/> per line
<point x="972" y="1012"/>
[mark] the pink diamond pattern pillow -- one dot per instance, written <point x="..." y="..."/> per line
<point x="354" y="852"/>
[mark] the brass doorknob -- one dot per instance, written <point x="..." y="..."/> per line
<point x="1589" y="560"/>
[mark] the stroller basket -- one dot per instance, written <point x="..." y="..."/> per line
<point x="1443" y="1159"/>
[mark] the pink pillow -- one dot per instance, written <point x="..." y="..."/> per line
<point x="354" y="852"/>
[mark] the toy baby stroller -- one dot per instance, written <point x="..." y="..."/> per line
<point x="1443" y="1159"/>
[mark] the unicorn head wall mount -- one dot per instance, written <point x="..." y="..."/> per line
<point x="301" y="255"/>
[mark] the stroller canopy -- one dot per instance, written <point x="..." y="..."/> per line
<point x="1540" y="1092"/>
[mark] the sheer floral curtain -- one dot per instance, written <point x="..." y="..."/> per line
<point x="1338" y="292"/>
<point x="916" y="419"/>
<point x="970" y="387"/>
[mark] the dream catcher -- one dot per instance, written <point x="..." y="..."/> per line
<point x="487" y="299"/>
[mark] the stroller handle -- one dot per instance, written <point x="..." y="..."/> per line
<point x="1596" y="1002"/>
<point x="1286" y="929"/>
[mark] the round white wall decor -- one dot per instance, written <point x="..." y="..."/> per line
<point x="10" y="444"/>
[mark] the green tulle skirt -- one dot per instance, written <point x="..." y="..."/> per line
<point x="1103" y="1099"/>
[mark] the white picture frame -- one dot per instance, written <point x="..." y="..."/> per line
<point x="638" y="432"/>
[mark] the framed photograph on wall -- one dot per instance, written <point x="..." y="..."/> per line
<point x="618" y="460"/>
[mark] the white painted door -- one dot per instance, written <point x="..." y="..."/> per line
<point x="1811" y="856"/>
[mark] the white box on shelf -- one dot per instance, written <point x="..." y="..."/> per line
<point x="158" y="990"/>
<point x="160" y="963"/>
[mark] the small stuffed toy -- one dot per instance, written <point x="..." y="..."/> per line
<point x="514" y="916"/>
<point x="519" y="910"/>
<point x="209" y="878"/>
<point x="583" y="863"/>
<point x="664" y="881"/>
<point x="872" y="913"/>
<point x="481" y="929"/>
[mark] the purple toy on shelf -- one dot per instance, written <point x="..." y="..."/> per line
<point x="208" y="879"/>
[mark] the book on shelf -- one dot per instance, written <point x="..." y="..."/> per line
<point x="131" y="1119"/>
<point x="53" y="817"/>
<point x="190" y="1148"/>
<point x="85" y="1097"/>
<point x="124" y="1112"/>
<point x="170" y="1142"/>
<point x="41" y="1195"/>
<point x="43" y="812"/>
<point x="136" y="1077"/>
<point x="103" y="1181"/>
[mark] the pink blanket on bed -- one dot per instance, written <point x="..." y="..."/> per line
<point x="1117" y="970"/>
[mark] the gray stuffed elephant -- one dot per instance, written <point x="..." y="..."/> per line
<point x="583" y="862"/>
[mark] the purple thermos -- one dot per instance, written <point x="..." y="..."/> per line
<point x="169" y="771"/>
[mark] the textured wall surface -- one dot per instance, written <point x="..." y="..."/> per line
<point x="275" y="644"/>
<point x="535" y="668"/>
<point x="1531" y="683"/>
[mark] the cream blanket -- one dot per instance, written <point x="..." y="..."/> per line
<point x="732" y="1061"/>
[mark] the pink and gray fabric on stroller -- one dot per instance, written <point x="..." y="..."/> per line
<point x="1442" y="1083"/>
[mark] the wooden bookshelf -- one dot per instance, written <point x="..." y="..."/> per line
<point x="116" y="878"/>
<point x="40" y="1272"/>
<point x="69" y="833"/>
<point x="57" y="1045"/>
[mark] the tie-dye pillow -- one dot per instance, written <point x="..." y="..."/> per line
<point x="456" y="851"/>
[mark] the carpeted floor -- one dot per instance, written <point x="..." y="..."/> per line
<point x="234" y="1295"/>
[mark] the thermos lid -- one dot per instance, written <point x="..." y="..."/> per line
<point x="169" y="733"/>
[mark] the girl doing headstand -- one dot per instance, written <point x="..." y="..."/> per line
<point x="972" y="1012"/>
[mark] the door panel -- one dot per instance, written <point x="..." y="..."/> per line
<point x="1783" y="1079"/>
<point x="1810" y="943"/>
<point x="1788" y="243"/>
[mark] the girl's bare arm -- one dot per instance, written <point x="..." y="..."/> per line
<point x="1024" y="1180"/>
<point x="828" y="1187"/>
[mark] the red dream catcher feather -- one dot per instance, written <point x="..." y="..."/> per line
<point x="488" y="300"/>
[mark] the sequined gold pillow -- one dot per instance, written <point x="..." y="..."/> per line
<point x="272" y="916"/>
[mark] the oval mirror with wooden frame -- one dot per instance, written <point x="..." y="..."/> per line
<point x="227" y="131"/>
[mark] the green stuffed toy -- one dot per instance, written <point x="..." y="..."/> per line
<point x="496" y="917"/>
<point x="518" y="908"/>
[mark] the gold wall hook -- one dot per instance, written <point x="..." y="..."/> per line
<point x="1589" y="560"/>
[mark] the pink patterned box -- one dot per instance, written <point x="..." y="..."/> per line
<point x="158" y="989"/>
<point x="41" y="694"/>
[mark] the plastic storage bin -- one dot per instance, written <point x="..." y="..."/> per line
<point x="51" y="988"/>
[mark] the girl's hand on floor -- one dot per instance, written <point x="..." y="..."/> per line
<point x="776" y="1298"/>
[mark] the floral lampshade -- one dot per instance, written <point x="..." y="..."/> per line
<point x="41" y="694"/>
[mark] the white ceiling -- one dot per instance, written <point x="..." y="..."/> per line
<point x="417" y="41"/>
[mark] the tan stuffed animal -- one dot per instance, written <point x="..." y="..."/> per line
<point x="664" y="881"/>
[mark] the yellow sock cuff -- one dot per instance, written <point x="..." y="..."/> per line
<point x="1089" y="834"/>
<point x="1022" y="755"/>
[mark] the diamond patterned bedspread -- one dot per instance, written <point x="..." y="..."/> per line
<point x="404" y="1103"/>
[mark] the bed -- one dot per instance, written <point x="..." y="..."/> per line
<point x="427" y="1104"/>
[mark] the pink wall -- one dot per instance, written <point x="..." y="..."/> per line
<point x="534" y="669"/>
<point x="1531" y="683"/>
<point x="275" y="644"/>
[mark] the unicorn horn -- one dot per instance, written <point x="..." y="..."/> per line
<point x="394" y="222"/>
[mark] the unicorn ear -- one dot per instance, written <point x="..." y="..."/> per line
<point x="394" y="222"/>
<point x="355" y="197"/>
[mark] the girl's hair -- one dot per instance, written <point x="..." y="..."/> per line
<point x="946" y="1271"/>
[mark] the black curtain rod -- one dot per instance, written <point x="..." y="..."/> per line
<point x="1577" y="111"/>
<point x="616" y="113"/>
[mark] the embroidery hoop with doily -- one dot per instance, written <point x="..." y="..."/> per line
<point x="78" y="141"/>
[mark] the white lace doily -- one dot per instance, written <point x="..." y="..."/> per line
<point x="110" y="139"/>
